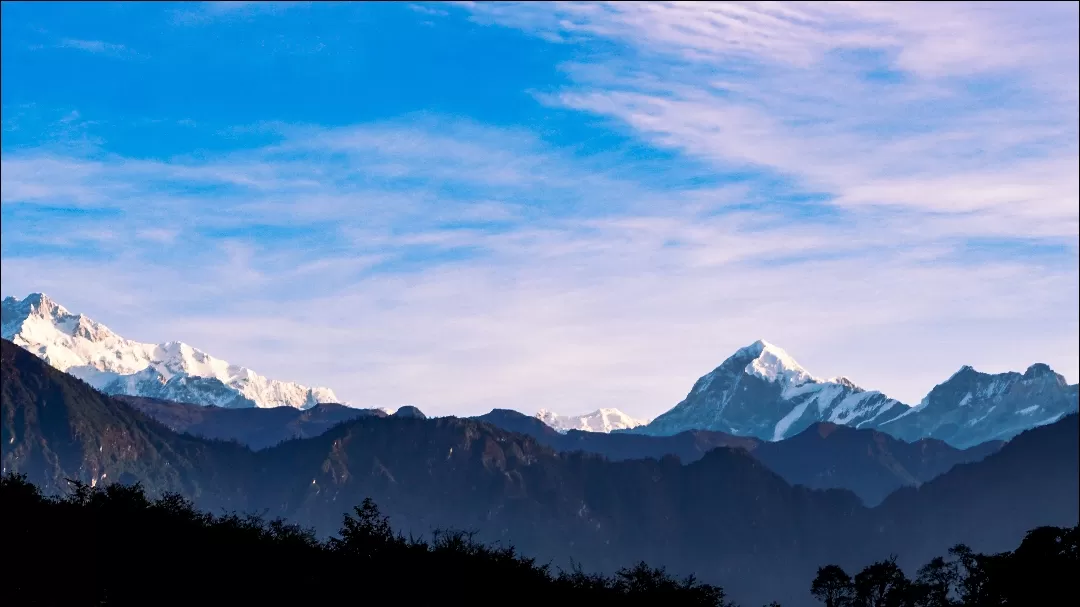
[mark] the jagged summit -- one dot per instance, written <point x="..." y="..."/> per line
<point x="972" y="407"/>
<point x="172" y="370"/>
<point x="1038" y="370"/>
<point x="34" y="300"/>
<point x="762" y="391"/>
<point x="772" y="363"/>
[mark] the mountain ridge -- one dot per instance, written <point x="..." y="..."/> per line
<point x="170" y="371"/>
<point x="761" y="391"/>
<point x="606" y="419"/>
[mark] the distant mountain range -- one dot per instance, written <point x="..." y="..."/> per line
<point x="760" y="391"/>
<point x="601" y="420"/>
<point x="171" y="371"/>
<point x="824" y="456"/>
<point x="726" y="516"/>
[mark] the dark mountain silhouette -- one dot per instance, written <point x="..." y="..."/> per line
<point x="824" y="456"/>
<point x="873" y="464"/>
<point x="1032" y="480"/>
<point x="409" y="411"/>
<point x="687" y="446"/>
<point x="725" y="517"/>
<point x="56" y="427"/>
<point x="254" y="427"/>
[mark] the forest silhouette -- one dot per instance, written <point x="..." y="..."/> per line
<point x="114" y="545"/>
<point x="1041" y="571"/>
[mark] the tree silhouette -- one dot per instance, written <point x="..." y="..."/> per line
<point x="936" y="583"/>
<point x="366" y="535"/>
<point x="833" y="586"/>
<point x="882" y="584"/>
<point x="1039" y="572"/>
<point x="115" y="546"/>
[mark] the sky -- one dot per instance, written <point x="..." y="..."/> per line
<point x="566" y="206"/>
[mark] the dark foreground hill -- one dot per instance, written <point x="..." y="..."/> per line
<point x="725" y="517"/>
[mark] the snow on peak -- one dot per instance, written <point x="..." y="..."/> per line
<point x="601" y="420"/>
<point x="773" y="364"/>
<point x="172" y="370"/>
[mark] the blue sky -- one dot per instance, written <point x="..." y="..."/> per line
<point x="561" y="206"/>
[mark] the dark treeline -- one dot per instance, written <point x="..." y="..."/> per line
<point x="1041" y="571"/>
<point x="114" y="545"/>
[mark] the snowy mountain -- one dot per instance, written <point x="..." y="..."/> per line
<point x="972" y="407"/>
<point x="762" y="391"/>
<point x="170" y="371"/>
<point x="601" y="420"/>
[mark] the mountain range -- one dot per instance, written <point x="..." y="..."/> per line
<point x="760" y="391"/>
<point x="726" y="516"/>
<point x="601" y="420"/>
<point x="171" y="371"/>
<point x="869" y="463"/>
<point x="825" y="456"/>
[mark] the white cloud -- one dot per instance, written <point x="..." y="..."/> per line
<point x="97" y="46"/>
<point x="940" y="108"/>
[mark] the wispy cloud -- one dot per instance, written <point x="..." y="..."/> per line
<point x="99" y="47"/>
<point x="938" y="108"/>
<point x="208" y="11"/>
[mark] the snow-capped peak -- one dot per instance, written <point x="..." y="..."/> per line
<point x="601" y="420"/>
<point x="172" y="370"/>
<point x="772" y="363"/>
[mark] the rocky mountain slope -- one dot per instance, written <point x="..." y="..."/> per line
<point x="762" y="391"/>
<point x="57" y="427"/>
<point x="972" y="407"/>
